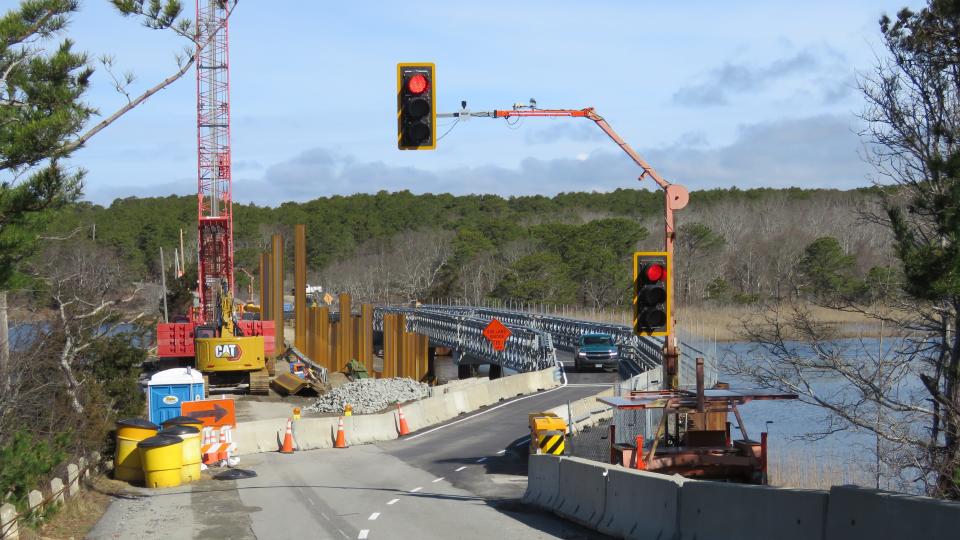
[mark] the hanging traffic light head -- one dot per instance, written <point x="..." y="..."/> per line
<point x="651" y="298"/>
<point x="416" y="107"/>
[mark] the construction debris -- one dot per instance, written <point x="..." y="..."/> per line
<point x="370" y="395"/>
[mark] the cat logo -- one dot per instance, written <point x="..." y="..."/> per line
<point x="227" y="350"/>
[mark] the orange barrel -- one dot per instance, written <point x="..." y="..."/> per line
<point x="126" y="461"/>
<point x="162" y="458"/>
<point x="182" y="421"/>
<point x="190" y="467"/>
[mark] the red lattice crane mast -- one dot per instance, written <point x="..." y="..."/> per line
<point x="214" y="192"/>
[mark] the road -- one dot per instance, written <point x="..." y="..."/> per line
<point x="458" y="480"/>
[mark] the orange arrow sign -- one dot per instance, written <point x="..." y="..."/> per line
<point x="212" y="412"/>
<point x="497" y="334"/>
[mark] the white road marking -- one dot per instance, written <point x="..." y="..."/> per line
<point x="481" y="413"/>
<point x="373" y="516"/>
<point x="343" y="534"/>
<point x="392" y="501"/>
<point x="435" y="480"/>
<point x="501" y="451"/>
<point x="311" y="502"/>
<point x="481" y="460"/>
<point x="522" y="441"/>
<point x="460" y="469"/>
<point x="416" y="489"/>
<point x="363" y="534"/>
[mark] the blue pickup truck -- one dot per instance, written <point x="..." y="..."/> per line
<point x="596" y="351"/>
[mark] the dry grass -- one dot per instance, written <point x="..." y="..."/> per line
<point x="72" y="521"/>
<point x="795" y="470"/>
<point x="722" y="323"/>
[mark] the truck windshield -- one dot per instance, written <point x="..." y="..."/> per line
<point x="597" y="340"/>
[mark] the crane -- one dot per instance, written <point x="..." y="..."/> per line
<point x="231" y="353"/>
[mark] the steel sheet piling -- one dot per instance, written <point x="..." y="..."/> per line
<point x="276" y="291"/>
<point x="300" y="286"/>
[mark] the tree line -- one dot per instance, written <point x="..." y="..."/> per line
<point x="732" y="245"/>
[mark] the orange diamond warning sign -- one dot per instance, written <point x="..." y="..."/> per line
<point x="497" y="334"/>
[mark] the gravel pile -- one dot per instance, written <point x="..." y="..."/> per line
<point x="370" y="395"/>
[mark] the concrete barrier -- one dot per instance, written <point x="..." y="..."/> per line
<point x="477" y="396"/>
<point x="719" y="510"/>
<point x="857" y="513"/>
<point x="641" y="504"/>
<point x="582" y="494"/>
<point x="448" y="401"/>
<point x="367" y="428"/>
<point x="259" y="435"/>
<point x="543" y="480"/>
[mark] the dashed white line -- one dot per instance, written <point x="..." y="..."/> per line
<point x="481" y="460"/>
<point x="460" y="469"/>
<point x="392" y="501"/>
<point x="435" y="480"/>
<point x="363" y="534"/>
<point x="343" y="534"/>
<point x="522" y="442"/>
<point x="311" y="502"/>
<point x="324" y="516"/>
<point x="501" y="451"/>
<point x="373" y="516"/>
<point x="416" y="489"/>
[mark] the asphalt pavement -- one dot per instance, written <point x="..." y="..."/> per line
<point x="461" y="479"/>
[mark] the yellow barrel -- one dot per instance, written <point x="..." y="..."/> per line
<point x="190" y="466"/>
<point x="182" y="421"/>
<point x="162" y="457"/>
<point x="126" y="461"/>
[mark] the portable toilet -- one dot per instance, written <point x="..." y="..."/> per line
<point x="167" y="389"/>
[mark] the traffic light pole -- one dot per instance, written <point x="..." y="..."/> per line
<point x="675" y="198"/>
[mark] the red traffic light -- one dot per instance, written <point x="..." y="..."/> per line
<point x="417" y="84"/>
<point x="654" y="273"/>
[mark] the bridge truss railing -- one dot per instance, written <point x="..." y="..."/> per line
<point x="528" y="349"/>
<point x="535" y="335"/>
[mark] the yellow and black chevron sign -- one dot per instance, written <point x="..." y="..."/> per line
<point x="551" y="443"/>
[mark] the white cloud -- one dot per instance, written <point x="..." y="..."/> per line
<point x="819" y="151"/>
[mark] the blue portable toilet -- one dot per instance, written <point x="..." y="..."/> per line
<point x="167" y="389"/>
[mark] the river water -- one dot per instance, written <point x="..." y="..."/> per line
<point x="797" y="457"/>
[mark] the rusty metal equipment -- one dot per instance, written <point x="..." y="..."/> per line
<point x="693" y="435"/>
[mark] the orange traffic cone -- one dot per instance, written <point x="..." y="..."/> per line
<point x="288" y="439"/>
<point x="341" y="441"/>
<point x="404" y="429"/>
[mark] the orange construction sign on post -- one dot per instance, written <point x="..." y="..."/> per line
<point x="497" y="334"/>
<point x="212" y="412"/>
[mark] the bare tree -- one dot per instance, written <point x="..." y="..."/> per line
<point x="86" y="288"/>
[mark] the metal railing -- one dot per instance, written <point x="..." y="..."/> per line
<point x="534" y="337"/>
<point x="528" y="349"/>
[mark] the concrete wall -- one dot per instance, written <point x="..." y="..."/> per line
<point x="447" y="402"/>
<point x="624" y="503"/>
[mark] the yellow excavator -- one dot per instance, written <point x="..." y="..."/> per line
<point x="228" y="359"/>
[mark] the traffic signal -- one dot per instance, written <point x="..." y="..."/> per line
<point x="651" y="297"/>
<point x="416" y="107"/>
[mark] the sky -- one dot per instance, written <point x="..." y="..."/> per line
<point x="712" y="94"/>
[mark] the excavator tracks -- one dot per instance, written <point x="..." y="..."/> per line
<point x="260" y="382"/>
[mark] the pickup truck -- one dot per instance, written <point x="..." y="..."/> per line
<point x="597" y="351"/>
